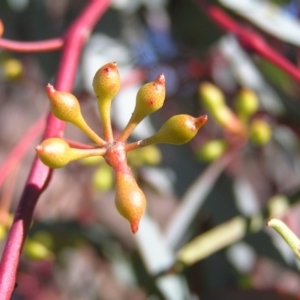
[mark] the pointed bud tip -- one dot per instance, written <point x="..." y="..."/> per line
<point x="160" y="79"/>
<point x="204" y="118"/>
<point x="134" y="227"/>
<point x="200" y="121"/>
<point x="111" y="66"/>
<point x="1" y="28"/>
<point x="50" y="88"/>
<point x="38" y="148"/>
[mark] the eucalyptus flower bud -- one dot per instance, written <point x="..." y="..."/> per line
<point x="130" y="199"/>
<point x="178" y="130"/>
<point x="56" y="152"/>
<point x="149" y="99"/>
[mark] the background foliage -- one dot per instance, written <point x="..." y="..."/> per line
<point x="78" y="246"/>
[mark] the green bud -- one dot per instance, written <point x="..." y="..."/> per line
<point x="130" y="199"/>
<point x="150" y="155"/>
<point x="178" y="130"/>
<point x="213" y="99"/>
<point x="3" y="232"/>
<point x="212" y="150"/>
<point x="149" y="99"/>
<point x="106" y="84"/>
<point x="246" y="104"/>
<point x="211" y="96"/>
<point x="260" y="132"/>
<point x="56" y="152"/>
<point x="36" y="250"/>
<point x="12" y="68"/>
<point x="65" y="107"/>
<point x="134" y="158"/>
<point x="103" y="178"/>
<point x="44" y="238"/>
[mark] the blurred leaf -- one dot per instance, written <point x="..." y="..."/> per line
<point x="279" y="78"/>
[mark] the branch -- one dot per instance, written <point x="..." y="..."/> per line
<point x="21" y="148"/>
<point x="287" y="234"/>
<point x="40" y="175"/>
<point x="32" y="47"/>
<point x="249" y="40"/>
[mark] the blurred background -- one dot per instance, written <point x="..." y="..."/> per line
<point x="204" y="234"/>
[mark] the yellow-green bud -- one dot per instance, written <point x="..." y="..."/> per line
<point x="150" y="155"/>
<point x="56" y="152"/>
<point x="150" y="98"/>
<point x="106" y="82"/>
<point x="13" y="68"/>
<point x="260" y="132"/>
<point x="65" y="106"/>
<point x="36" y="250"/>
<point x="44" y="238"/>
<point x="178" y="130"/>
<point x="211" y="96"/>
<point x="130" y="199"/>
<point x="103" y="178"/>
<point x="246" y="104"/>
<point x="213" y="99"/>
<point x="212" y="150"/>
<point x="3" y="232"/>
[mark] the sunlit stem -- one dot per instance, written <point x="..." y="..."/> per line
<point x="287" y="234"/>
<point x="133" y="122"/>
<point x="81" y="124"/>
<point x="82" y="153"/>
<point x="78" y="145"/>
<point x="137" y="145"/>
<point x="104" y="112"/>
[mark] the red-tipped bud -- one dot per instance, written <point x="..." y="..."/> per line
<point x="106" y="82"/>
<point x="130" y="199"/>
<point x="150" y="98"/>
<point x="64" y="106"/>
<point x="54" y="152"/>
<point x="178" y="130"/>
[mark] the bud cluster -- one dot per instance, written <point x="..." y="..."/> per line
<point x="56" y="152"/>
<point x="240" y="122"/>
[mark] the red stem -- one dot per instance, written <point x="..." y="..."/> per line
<point x="248" y="39"/>
<point x="21" y="148"/>
<point x="253" y="42"/>
<point x="31" y="47"/>
<point x="40" y="175"/>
